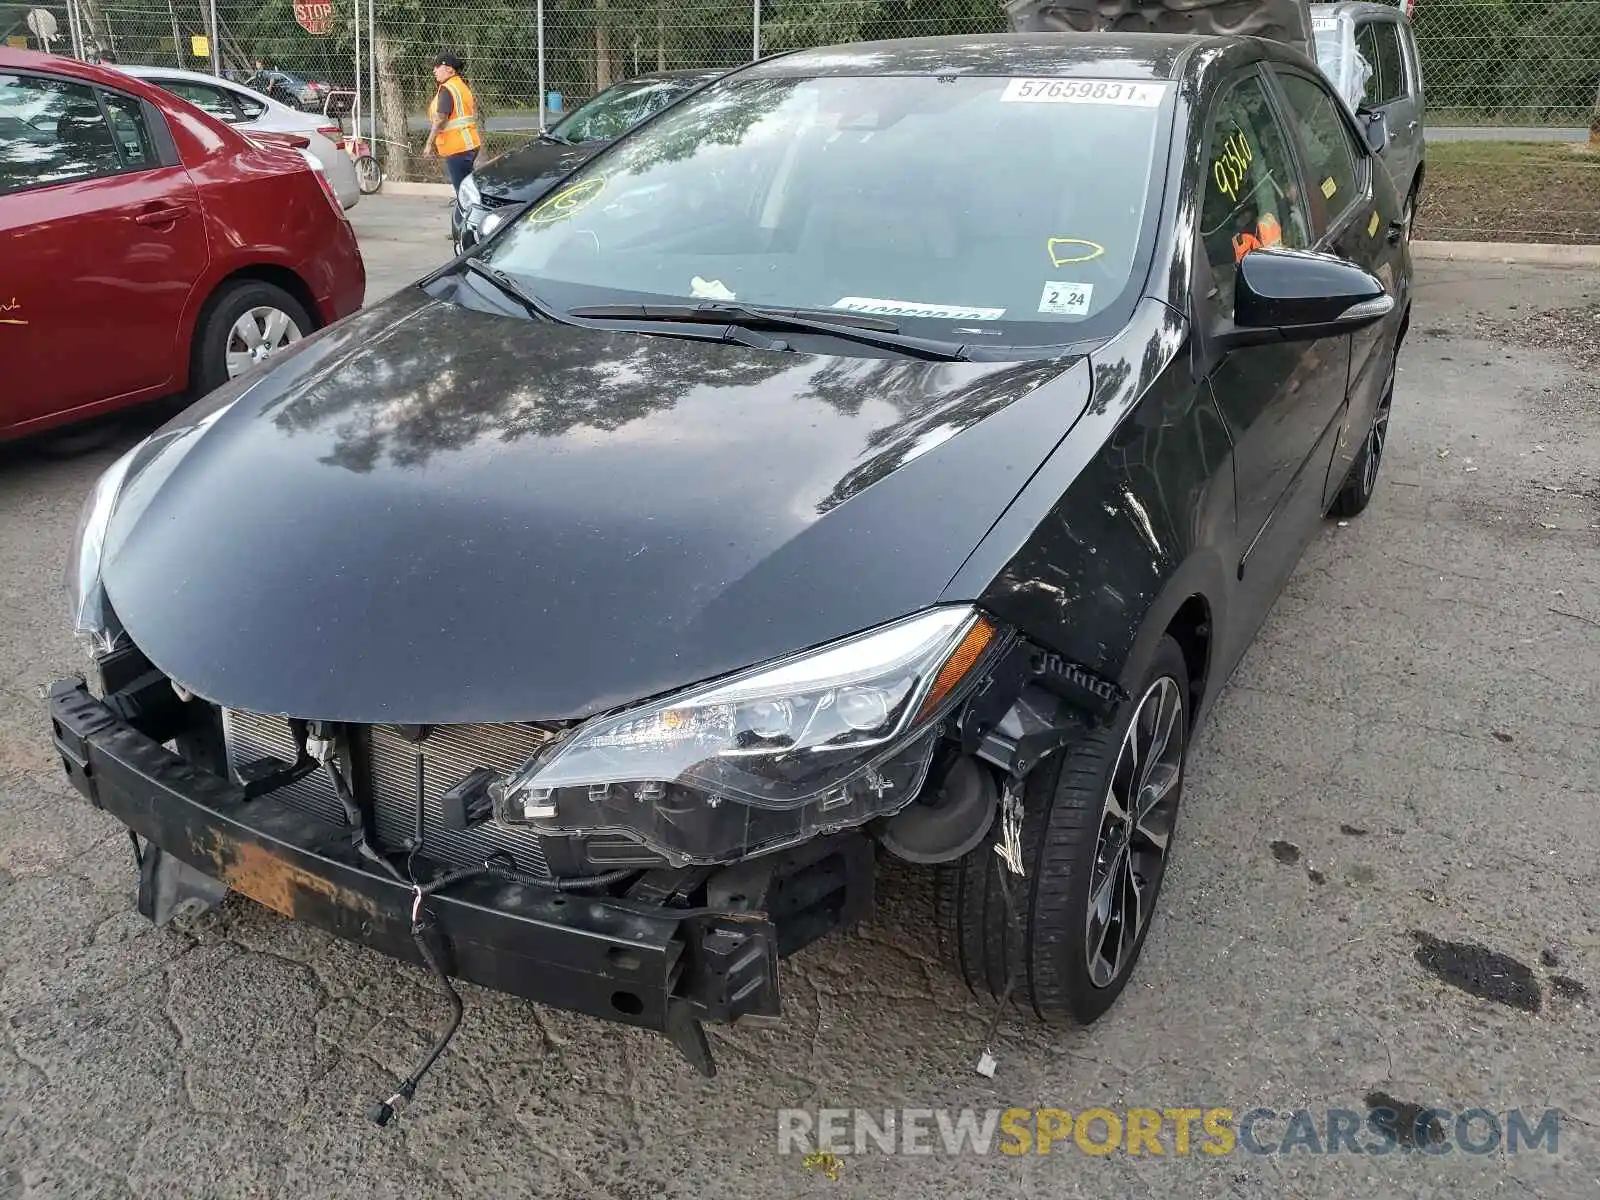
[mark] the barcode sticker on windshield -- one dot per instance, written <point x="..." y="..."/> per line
<point x="915" y="308"/>
<point x="1083" y="91"/>
<point x="1066" y="299"/>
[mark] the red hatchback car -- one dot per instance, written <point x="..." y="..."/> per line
<point x="148" y="247"/>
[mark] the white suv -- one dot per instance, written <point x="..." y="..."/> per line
<point x="1369" y="53"/>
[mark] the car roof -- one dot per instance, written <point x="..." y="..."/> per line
<point x="60" y="64"/>
<point x="141" y="71"/>
<point x="691" y="74"/>
<point x="1360" y="8"/>
<point x="1154" y="56"/>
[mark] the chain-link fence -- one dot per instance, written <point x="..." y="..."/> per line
<point x="1510" y="62"/>
<point x="1517" y="63"/>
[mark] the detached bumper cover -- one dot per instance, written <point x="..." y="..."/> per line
<point x="621" y="960"/>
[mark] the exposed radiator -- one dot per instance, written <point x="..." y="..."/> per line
<point x="386" y="771"/>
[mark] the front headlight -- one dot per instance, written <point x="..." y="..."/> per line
<point x="467" y="194"/>
<point x="492" y="221"/>
<point x="820" y="741"/>
<point x="93" y="622"/>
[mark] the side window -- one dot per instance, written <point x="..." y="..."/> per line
<point x="249" y="107"/>
<point x="132" y="137"/>
<point x="51" y="131"/>
<point x="1391" y="64"/>
<point x="1252" y="195"/>
<point x="1367" y="48"/>
<point x="1332" y="156"/>
<point x="203" y="96"/>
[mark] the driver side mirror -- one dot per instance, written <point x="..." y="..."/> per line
<point x="1298" y="295"/>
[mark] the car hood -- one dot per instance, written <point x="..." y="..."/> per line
<point x="429" y="514"/>
<point x="524" y="174"/>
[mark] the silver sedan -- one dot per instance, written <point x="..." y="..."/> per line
<point x="250" y="110"/>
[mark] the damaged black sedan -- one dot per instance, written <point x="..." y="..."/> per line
<point x="889" y="448"/>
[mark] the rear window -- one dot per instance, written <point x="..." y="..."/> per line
<point x="1332" y="159"/>
<point x="1391" y="63"/>
<point x="960" y="206"/>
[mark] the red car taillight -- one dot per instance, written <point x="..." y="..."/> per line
<point x="333" y="133"/>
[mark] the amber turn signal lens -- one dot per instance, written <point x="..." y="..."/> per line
<point x="955" y="667"/>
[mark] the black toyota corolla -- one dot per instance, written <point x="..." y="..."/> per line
<point x="890" y="447"/>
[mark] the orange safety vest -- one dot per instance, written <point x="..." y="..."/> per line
<point x="1268" y="233"/>
<point x="460" y="133"/>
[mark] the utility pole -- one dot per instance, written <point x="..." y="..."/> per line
<point x="216" y="48"/>
<point x="177" y="38"/>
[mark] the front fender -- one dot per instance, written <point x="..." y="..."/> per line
<point x="1131" y="516"/>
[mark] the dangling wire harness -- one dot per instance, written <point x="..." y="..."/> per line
<point x="499" y="866"/>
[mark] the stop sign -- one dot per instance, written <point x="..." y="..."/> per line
<point x="314" y="16"/>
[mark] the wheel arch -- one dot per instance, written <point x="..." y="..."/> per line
<point x="263" y="272"/>
<point x="1191" y="608"/>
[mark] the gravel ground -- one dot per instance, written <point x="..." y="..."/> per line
<point x="1573" y="333"/>
<point x="1385" y="888"/>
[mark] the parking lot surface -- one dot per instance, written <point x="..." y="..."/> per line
<point x="1385" y="889"/>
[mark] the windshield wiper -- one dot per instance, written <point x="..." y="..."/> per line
<point x="510" y="287"/>
<point x="857" y="327"/>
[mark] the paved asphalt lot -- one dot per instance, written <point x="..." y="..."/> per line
<point x="1410" y="748"/>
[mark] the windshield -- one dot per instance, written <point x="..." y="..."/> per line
<point x="962" y="207"/>
<point x="618" y="109"/>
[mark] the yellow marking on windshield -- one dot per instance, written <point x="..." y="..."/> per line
<point x="1372" y="225"/>
<point x="1329" y="187"/>
<point x="1071" y="250"/>
<point x="568" y="201"/>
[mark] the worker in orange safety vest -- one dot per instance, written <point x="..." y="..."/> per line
<point x="453" y="118"/>
<point x="1266" y="233"/>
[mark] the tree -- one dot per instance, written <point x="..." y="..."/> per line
<point x="1556" y="69"/>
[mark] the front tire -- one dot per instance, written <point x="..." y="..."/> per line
<point x="244" y="325"/>
<point x="1098" y="821"/>
<point x="1356" y="492"/>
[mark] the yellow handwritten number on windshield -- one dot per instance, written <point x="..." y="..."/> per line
<point x="1232" y="161"/>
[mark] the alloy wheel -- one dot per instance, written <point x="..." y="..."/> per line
<point x="1136" y="824"/>
<point x="1372" y="454"/>
<point x="256" y="336"/>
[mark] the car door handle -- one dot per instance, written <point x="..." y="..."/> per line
<point x="162" y="216"/>
<point x="1412" y="126"/>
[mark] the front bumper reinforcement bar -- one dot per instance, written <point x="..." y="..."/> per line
<point x="619" y="959"/>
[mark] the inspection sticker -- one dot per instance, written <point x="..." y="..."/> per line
<point x="1066" y="299"/>
<point x="1084" y="91"/>
<point x="915" y="308"/>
